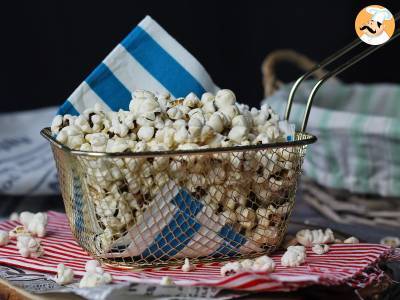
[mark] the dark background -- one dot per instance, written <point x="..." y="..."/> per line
<point x="49" y="47"/>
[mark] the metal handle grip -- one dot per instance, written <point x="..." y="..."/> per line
<point x="350" y="62"/>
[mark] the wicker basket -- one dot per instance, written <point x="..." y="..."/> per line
<point x="157" y="208"/>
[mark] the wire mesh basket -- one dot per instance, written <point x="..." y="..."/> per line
<point x="157" y="208"/>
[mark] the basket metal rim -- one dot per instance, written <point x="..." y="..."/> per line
<point x="46" y="133"/>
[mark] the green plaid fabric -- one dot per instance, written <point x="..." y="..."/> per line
<point x="358" y="130"/>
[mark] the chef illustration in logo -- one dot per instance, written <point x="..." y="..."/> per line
<point x="374" y="25"/>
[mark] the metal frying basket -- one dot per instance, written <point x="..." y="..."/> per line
<point x="157" y="208"/>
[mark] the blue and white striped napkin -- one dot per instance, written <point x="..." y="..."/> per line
<point x="148" y="58"/>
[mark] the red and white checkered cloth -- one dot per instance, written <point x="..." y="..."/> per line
<point x="351" y="264"/>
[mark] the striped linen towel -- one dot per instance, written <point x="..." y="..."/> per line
<point x="149" y="59"/>
<point x="354" y="265"/>
<point x="181" y="227"/>
<point x="358" y="130"/>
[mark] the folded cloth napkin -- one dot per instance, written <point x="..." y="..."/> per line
<point x="357" y="126"/>
<point x="26" y="163"/>
<point x="149" y="59"/>
<point x="353" y="264"/>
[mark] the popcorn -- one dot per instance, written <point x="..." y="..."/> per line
<point x="116" y="146"/>
<point x="263" y="264"/>
<point x="34" y="223"/>
<point x="263" y="217"/>
<point x="245" y="214"/>
<point x="181" y="135"/>
<point x="93" y="266"/>
<point x="65" y="275"/>
<point x="231" y="268"/>
<point x="191" y="100"/>
<point x="4" y="238"/>
<point x="95" y="275"/>
<point x="247" y="264"/>
<point x="145" y="133"/>
<point x="391" y="241"/>
<point x="14" y="217"/>
<point x="240" y="120"/>
<point x="217" y="121"/>
<point x="143" y="102"/>
<point x="98" y="141"/>
<point x="72" y="136"/>
<point x="228" y="217"/>
<point x="94" y="279"/>
<point x="265" y="235"/>
<point x="28" y="246"/>
<point x="224" y="98"/>
<point x="320" y="248"/>
<point x="294" y="256"/>
<point x="175" y="113"/>
<point x="307" y="237"/>
<point x="351" y="240"/>
<point x="230" y="112"/>
<point x="238" y="134"/>
<point x="165" y="280"/>
<point x="83" y="124"/>
<point x="56" y="124"/>
<point x="17" y="231"/>
<point x="187" y="266"/>
<point x="207" y="97"/>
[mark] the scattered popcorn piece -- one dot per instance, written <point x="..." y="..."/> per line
<point x="94" y="275"/>
<point x="17" y="231"/>
<point x="65" y="275"/>
<point x="187" y="266"/>
<point x="231" y="268"/>
<point x="263" y="264"/>
<point x="28" y="246"/>
<point x="307" y="237"/>
<point x="94" y="279"/>
<point x="93" y="266"/>
<point x="320" y="248"/>
<point x="166" y="281"/>
<point x="4" y="238"/>
<point x="351" y="240"/>
<point x="34" y="223"/>
<point x="391" y="241"/>
<point x="294" y="256"/>
<point x="247" y="264"/>
<point x="14" y="217"/>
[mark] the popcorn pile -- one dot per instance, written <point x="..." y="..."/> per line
<point x="156" y="122"/>
<point x="247" y="190"/>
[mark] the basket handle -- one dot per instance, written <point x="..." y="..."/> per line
<point x="319" y="67"/>
<point x="270" y="81"/>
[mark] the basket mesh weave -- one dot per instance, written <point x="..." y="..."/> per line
<point x="134" y="210"/>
